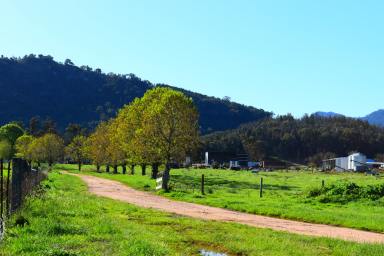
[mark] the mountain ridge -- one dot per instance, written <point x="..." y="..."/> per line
<point x="37" y="85"/>
<point x="374" y="118"/>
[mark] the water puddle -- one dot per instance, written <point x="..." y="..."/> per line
<point x="211" y="253"/>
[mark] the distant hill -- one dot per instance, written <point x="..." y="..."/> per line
<point x="376" y="118"/>
<point x="327" y="114"/>
<point x="40" y="86"/>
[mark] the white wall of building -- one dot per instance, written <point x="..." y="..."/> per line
<point x="356" y="162"/>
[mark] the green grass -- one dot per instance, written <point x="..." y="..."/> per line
<point x="62" y="218"/>
<point x="285" y="194"/>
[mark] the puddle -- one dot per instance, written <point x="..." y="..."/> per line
<point x="211" y="253"/>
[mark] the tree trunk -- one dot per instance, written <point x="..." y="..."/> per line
<point x="166" y="177"/>
<point x="143" y="168"/>
<point x="79" y="163"/>
<point x="133" y="169"/>
<point x="107" y="168"/>
<point x="155" y="171"/>
<point x="124" y="169"/>
<point x="98" y="168"/>
<point x="115" y="169"/>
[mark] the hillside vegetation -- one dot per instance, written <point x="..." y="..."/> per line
<point x="40" y="86"/>
<point x="308" y="139"/>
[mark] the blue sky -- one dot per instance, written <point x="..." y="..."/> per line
<point x="284" y="56"/>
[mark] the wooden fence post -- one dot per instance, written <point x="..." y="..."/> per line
<point x="202" y="184"/>
<point x="19" y="168"/>
<point x="8" y="187"/>
<point x="261" y="187"/>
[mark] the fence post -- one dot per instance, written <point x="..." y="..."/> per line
<point x="261" y="187"/>
<point x="19" y="168"/>
<point x="322" y="183"/>
<point x="202" y="184"/>
<point x="8" y="187"/>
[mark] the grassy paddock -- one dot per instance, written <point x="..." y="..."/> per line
<point x="64" y="219"/>
<point x="285" y="194"/>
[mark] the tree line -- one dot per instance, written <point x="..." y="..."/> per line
<point x="158" y="129"/>
<point x="305" y="140"/>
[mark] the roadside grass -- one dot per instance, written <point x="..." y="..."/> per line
<point x="62" y="218"/>
<point x="285" y="194"/>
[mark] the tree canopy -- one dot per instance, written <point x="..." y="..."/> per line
<point x="47" y="148"/>
<point x="161" y="127"/>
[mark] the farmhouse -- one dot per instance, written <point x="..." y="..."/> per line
<point x="355" y="162"/>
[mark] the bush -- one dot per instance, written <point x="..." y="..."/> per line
<point x="346" y="192"/>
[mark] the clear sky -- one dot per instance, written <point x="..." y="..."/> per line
<point x="284" y="56"/>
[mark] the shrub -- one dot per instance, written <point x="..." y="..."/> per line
<point x="346" y="192"/>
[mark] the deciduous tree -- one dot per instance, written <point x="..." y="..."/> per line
<point x="48" y="148"/>
<point x="23" y="147"/>
<point x="76" y="150"/>
<point x="97" y="144"/>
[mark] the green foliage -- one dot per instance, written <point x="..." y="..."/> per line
<point x="11" y="132"/>
<point x="23" y="147"/>
<point x="159" y="128"/>
<point x="8" y="136"/>
<point x="76" y="150"/>
<point x="308" y="139"/>
<point x="67" y="220"/>
<point x="6" y="149"/>
<point x="345" y="192"/>
<point x="93" y="95"/>
<point x="97" y="144"/>
<point x="48" y="148"/>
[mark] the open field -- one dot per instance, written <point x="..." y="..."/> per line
<point x="64" y="219"/>
<point x="285" y="194"/>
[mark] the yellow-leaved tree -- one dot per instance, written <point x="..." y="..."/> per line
<point x="23" y="147"/>
<point x="47" y="148"/>
<point x="76" y="150"/>
<point x="97" y="144"/>
<point x="159" y="128"/>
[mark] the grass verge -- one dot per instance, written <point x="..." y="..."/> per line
<point x="62" y="218"/>
<point x="285" y="194"/>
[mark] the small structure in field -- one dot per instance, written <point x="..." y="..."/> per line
<point x="355" y="162"/>
<point x="274" y="164"/>
<point x="234" y="161"/>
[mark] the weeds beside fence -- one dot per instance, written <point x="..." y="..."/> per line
<point x="16" y="181"/>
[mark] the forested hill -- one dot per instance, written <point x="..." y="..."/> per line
<point x="40" y="86"/>
<point x="308" y="139"/>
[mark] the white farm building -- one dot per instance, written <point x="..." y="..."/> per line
<point x="355" y="162"/>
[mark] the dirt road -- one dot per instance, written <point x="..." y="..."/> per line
<point x="118" y="191"/>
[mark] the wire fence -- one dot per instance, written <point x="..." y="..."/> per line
<point x="17" y="180"/>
